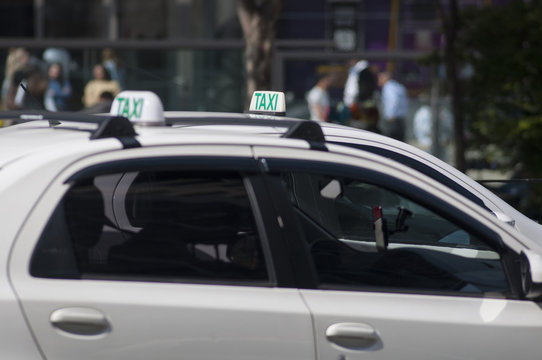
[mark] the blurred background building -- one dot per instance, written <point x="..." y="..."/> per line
<point x="191" y="51"/>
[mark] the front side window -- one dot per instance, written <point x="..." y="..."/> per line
<point x="156" y="225"/>
<point x="363" y="235"/>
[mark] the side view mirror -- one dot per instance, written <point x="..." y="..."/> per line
<point x="531" y="274"/>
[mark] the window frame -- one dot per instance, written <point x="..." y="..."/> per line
<point x="418" y="166"/>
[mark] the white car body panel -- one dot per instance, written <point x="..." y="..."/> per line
<point x="156" y="320"/>
<point x="168" y="321"/>
<point x="17" y="340"/>
<point x="19" y="165"/>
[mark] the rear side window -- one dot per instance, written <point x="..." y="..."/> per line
<point x="154" y="225"/>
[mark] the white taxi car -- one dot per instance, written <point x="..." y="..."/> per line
<point x="125" y="238"/>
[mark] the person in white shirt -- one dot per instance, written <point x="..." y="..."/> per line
<point x="318" y="99"/>
<point x="394" y="106"/>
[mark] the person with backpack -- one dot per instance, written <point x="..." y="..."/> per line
<point x="358" y="97"/>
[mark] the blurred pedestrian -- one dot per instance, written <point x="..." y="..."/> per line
<point x="394" y="106"/>
<point x="360" y="86"/>
<point x="359" y="96"/>
<point x="32" y="95"/>
<point x="28" y="82"/>
<point x="17" y="58"/>
<point x="318" y="99"/>
<point x="60" y="56"/>
<point x="102" y="106"/>
<point x="111" y="62"/>
<point x="59" y="89"/>
<point x="100" y="83"/>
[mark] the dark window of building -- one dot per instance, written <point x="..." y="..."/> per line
<point x="17" y="18"/>
<point x="65" y="19"/>
<point x="423" y="10"/>
<point x="303" y="19"/>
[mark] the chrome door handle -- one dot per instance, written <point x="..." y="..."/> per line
<point x="80" y="321"/>
<point x="352" y="335"/>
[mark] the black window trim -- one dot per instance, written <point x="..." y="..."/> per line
<point x="418" y="166"/>
<point x="180" y="162"/>
<point x="292" y="251"/>
<point x="280" y="274"/>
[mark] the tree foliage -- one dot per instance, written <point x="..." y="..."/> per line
<point x="503" y="97"/>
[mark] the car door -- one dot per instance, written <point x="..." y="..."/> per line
<point x="140" y="254"/>
<point x="437" y="279"/>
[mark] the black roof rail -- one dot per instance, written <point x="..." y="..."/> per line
<point x="108" y="126"/>
<point x="308" y="130"/>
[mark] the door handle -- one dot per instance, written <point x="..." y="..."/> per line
<point x="80" y="321"/>
<point x="352" y="335"/>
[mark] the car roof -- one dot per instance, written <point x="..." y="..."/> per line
<point x="21" y="140"/>
<point x="71" y="130"/>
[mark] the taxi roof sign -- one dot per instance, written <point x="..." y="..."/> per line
<point x="140" y="107"/>
<point x="268" y="102"/>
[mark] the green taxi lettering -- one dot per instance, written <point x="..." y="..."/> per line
<point x="130" y="107"/>
<point x="266" y="105"/>
<point x="257" y="99"/>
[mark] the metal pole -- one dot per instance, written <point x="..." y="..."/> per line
<point x="111" y="19"/>
<point x="435" y="143"/>
<point x="392" y="35"/>
<point x="38" y="19"/>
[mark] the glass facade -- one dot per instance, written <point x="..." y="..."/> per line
<point x="191" y="52"/>
<point x="17" y="18"/>
<point x="136" y="19"/>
